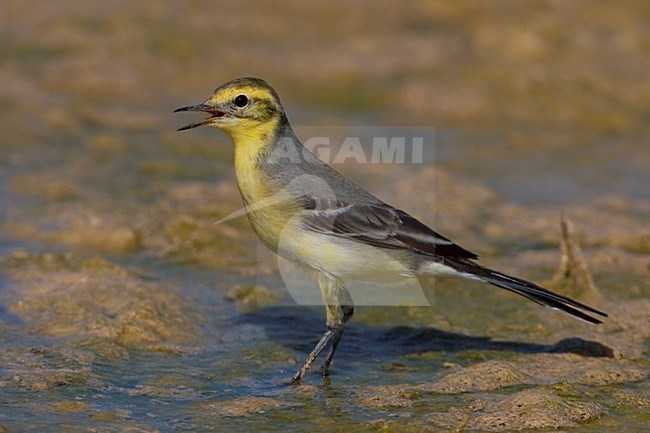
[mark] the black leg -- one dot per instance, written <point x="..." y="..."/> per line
<point x="312" y="356"/>
<point x="339" y="308"/>
<point x="325" y="368"/>
<point x="345" y="314"/>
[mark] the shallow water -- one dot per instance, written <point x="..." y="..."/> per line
<point x="124" y="307"/>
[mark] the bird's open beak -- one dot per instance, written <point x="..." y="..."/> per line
<point x="214" y="114"/>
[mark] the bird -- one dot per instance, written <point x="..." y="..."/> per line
<point x="310" y="214"/>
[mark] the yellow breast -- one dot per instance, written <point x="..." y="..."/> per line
<point x="268" y="207"/>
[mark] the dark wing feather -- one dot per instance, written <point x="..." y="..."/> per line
<point x="383" y="226"/>
<point x="378" y="224"/>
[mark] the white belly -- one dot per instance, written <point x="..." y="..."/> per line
<point x="344" y="258"/>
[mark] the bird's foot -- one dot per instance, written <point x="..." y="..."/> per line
<point x="297" y="378"/>
<point x="325" y="370"/>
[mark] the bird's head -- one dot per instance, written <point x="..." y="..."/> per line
<point x="243" y="108"/>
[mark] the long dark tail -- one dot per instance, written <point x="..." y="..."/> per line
<point x="526" y="289"/>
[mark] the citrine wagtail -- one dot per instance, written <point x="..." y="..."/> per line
<point x="311" y="215"/>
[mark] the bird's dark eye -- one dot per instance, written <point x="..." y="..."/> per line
<point x="241" y="101"/>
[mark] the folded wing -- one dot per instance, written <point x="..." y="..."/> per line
<point x="377" y="224"/>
